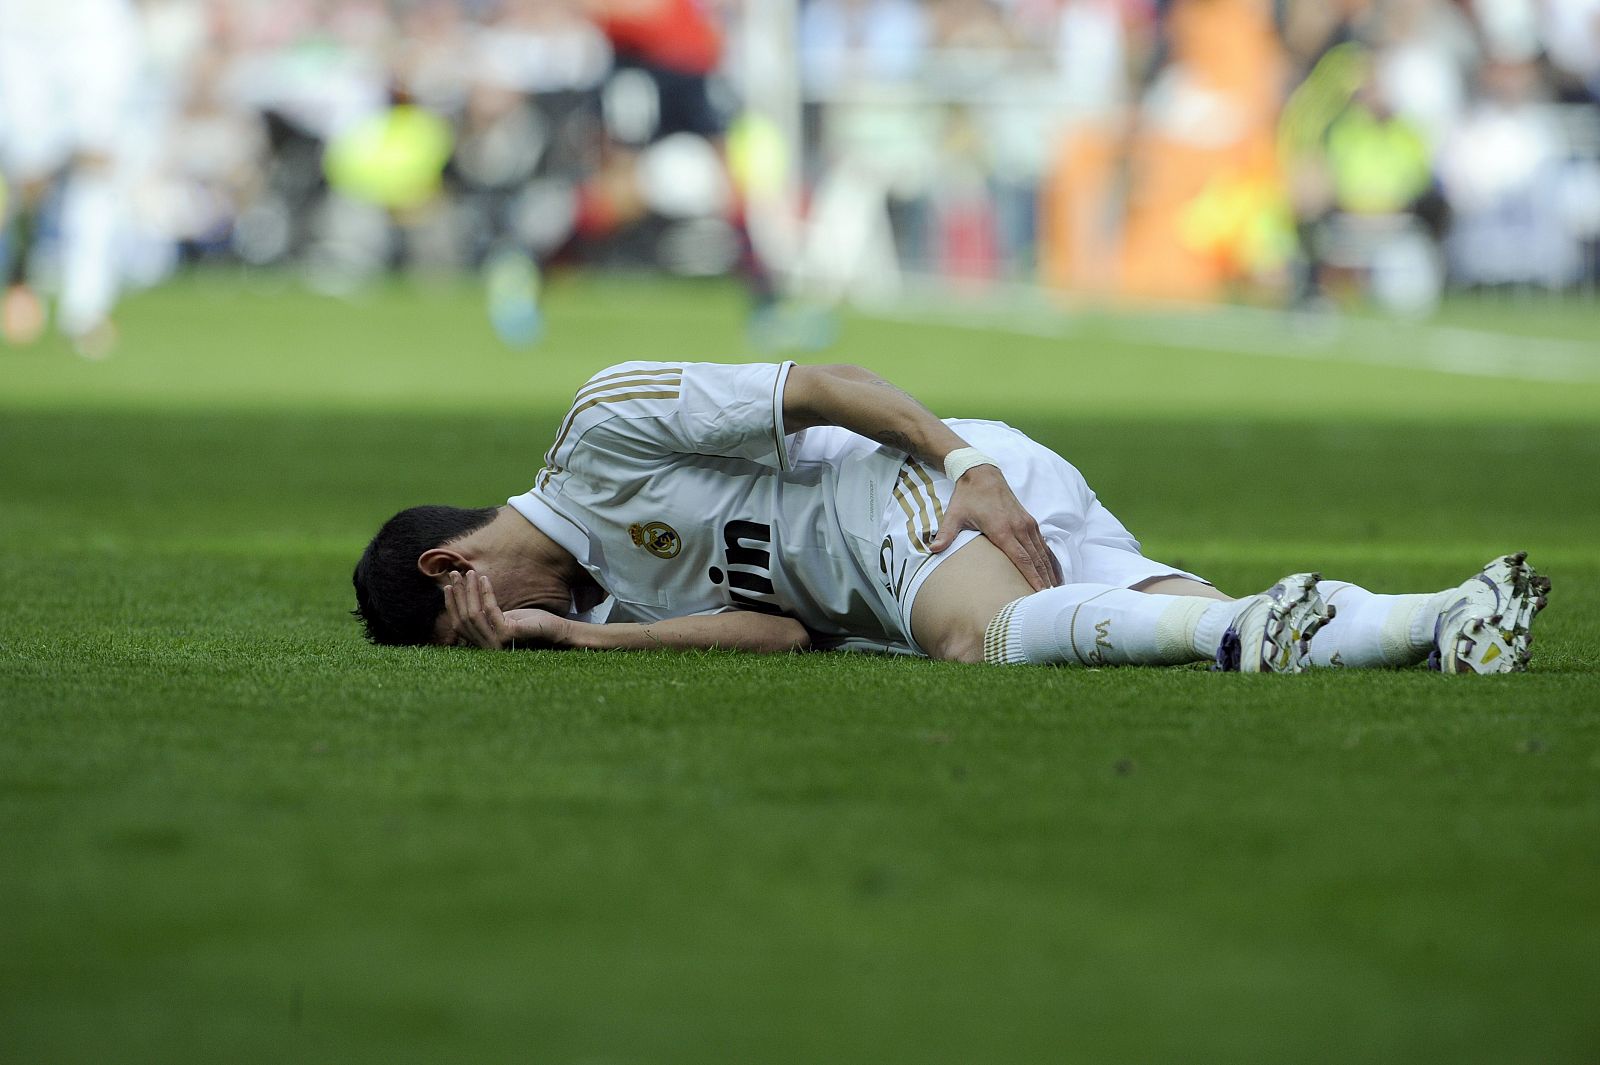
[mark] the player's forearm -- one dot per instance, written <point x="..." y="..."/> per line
<point x="865" y="403"/>
<point x="741" y="631"/>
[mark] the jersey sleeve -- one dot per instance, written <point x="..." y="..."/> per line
<point x="644" y="410"/>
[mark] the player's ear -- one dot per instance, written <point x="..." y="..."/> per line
<point x="438" y="561"/>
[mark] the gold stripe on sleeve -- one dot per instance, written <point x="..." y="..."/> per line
<point x="661" y="390"/>
<point x="618" y="380"/>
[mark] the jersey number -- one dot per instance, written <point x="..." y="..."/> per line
<point x="895" y="582"/>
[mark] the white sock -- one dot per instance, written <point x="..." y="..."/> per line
<point x="1370" y="630"/>
<point x="1097" y="624"/>
<point x="89" y="263"/>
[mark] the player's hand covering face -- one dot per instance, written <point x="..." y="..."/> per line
<point x="474" y="619"/>
<point x="982" y="500"/>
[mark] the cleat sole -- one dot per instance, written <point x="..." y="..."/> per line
<point x="1489" y="628"/>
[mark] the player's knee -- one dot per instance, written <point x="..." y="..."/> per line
<point x="957" y="643"/>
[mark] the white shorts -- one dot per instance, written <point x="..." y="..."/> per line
<point x="64" y="91"/>
<point x="1088" y="541"/>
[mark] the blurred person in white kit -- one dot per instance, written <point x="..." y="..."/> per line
<point x="67" y="70"/>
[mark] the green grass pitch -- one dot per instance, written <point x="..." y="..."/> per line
<point x="231" y="831"/>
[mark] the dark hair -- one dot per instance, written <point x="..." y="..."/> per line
<point x="396" y="601"/>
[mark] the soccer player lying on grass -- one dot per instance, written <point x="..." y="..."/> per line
<point x="779" y="507"/>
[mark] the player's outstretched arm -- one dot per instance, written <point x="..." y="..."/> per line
<point x="863" y="402"/>
<point x="477" y="621"/>
<point x="739" y="630"/>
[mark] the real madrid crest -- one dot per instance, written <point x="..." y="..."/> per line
<point x="656" y="537"/>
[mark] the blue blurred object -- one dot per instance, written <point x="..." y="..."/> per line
<point x="513" y="290"/>
<point x="783" y="326"/>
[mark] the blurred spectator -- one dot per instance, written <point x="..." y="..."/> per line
<point x="1503" y="171"/>
<point x="1572" y="39"/>
<point x="1205" y="133"/>
<point x="389" y="168"/>
<point x="1381" y="216"/>
<point x="861" y="42"/>
<point x="1424" y="49"/>
<point x="1260" y="149"/>
<point x="210" y="168"/>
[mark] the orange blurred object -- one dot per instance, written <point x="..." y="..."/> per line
<point x="1210" y="114"/>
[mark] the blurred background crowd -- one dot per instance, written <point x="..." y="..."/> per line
<point x="1277" y="151"/>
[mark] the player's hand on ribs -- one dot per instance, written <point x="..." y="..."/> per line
<point x="982" y="500"/>
<point x="477" y="620"/>
<point x="864" y="403"/>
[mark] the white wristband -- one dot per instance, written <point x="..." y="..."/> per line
<point x="963" y="459"/>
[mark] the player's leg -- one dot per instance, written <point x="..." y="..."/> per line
<point x="89" y="218"/>
<point x="102" y="63"/>
<point x="955" y="604"/>
<point x="687" y="107"/>
<point x="1181" y="586"/>
<point x="1483" y="625"/>
<point x="22" y="313"/>
<point x="1370" y="630"/>
<point x="30" y="151"/>
<point x="971" y="605"/>
<point x="976" y="607"/>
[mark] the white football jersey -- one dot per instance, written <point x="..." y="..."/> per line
<point x="675" y="486"/>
